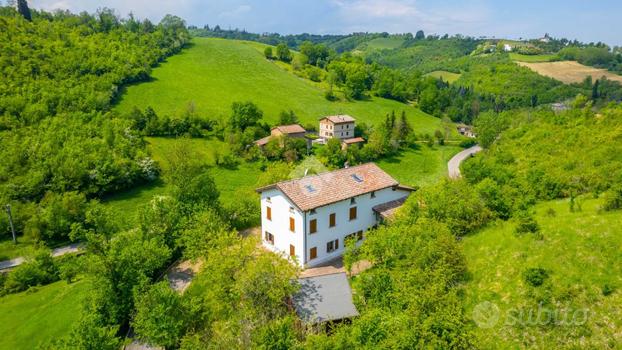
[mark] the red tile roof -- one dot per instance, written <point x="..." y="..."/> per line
<point x="353" y="140"/>
<point x="290" y="129"/>
<point x="386" y="210"/>
<point x="314" y="191"/>
<point x="339" y="119"/>
<point x="263" y="141"/>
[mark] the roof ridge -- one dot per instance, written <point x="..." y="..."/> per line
<point x="333" y="171"/>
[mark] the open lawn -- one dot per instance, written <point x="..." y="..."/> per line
<point x="31" y="318"/>
<point x="446" y="76"/>
<point x="581" y="252"/>
<point x="214" y="73"/>
<point x="569" y="71"/>
<point x="230" y="182"/>
<point x="419" y="166"/>
<point x="531" y="58"/>
<point x="384" y="43"/>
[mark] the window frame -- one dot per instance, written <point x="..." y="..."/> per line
<point x="332" y="220"/>
<point x="292" y="224"/>
<point x="269" y="213"/>
<point x="353" y="210"/>
<point x="313" y="253"/>
<point x="312" y="226"/>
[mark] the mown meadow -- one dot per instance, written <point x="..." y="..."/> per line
<point x="213" y="73"/>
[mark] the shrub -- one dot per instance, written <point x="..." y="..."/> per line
<point x="608" y="289"/>
<point x="526" y="223"/>
<point x="468" y="143"/>
<point x="39" y="269"/>
<point x="612" y="199"/>
<point x="535" y="276"/>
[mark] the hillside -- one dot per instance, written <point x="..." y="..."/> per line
<point x="580" y="252"/>
<point x="213" y="73"/>
<point x="570" y="71"/>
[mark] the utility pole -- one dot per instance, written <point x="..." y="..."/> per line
<point x="8" y="211"/>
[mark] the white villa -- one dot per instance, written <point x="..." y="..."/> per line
<point x="310" y="218"/>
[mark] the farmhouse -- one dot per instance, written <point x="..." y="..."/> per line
<point x="294" y="130"/>
<point x="466" y="130"/>
<point x="337" y="126"/>
<point x="310" y="218"/>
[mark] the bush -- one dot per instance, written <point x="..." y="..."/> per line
<point x="612" y="199"/>
<point x="526" y="223"/>
<point x="468" y="143"/>
<point x="608" y="289"/>
<point x="39" y="269"/>
<point x="535" y="276"/>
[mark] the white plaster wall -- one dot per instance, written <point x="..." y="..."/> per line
<point x="279" y="225"/>
<point x="365" y="219"/>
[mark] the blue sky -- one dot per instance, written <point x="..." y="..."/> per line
<point x="581" y="19"/>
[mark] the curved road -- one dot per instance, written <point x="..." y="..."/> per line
<point x="453" y="166"/>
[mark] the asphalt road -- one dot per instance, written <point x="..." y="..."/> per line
<point x="453" y="166"/>
<point x="72" y="248"/>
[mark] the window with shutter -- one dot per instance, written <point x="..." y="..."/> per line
<point x="313" y="226"/>
<point x="332" y="219"/>
<point x="292" y="250"/>
<point x="353" y="213"/>
<point x="313" y="253"/>
<point x="292" y="224"/>
<point x="268" y="213"/>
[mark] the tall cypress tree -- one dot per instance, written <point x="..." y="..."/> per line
<point x="22" y="8"/>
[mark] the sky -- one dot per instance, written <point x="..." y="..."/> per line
<point x="585" y="20"/>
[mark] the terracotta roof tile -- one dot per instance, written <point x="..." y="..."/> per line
<point x="290" y="129"/>
<point x="341" y="118"/>
<point x="353" y="140"/>
<point x="387" y="209"/>
<point x="315" y="191"/>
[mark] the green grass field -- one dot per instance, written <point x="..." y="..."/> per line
<point x="28" y="319"/>
<point x="419" y="166"/>
<point x="384" y="43"/>
<point x="531" y="58"/>
<point x="213" y="73"/>
<point x="582" y="253"/>
<point x="445" y="75"/>
<point x="230" y="182"/>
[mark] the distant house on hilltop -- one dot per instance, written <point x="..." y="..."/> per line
<point x="293" y="130"/>
<point x="310" y="218"/>
<point x="337" y="126"/>
<point x="466" y="130"/>
<point x="340" y="127"/>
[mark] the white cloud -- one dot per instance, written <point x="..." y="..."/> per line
<point x="236" y="12"/>
<point x="377" y="8"/>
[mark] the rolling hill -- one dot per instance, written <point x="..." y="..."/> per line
<point x="213" y="73"/>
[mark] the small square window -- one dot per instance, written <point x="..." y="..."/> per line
<point x="373" y="194"/>
<point x="291" y="209"/>
<point x="268" y="200"/>
<point x="352" y="200"/>
<point x="312" y="212"/>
